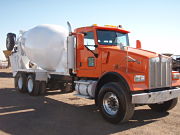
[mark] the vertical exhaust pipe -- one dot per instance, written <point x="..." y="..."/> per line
<point x="69" y="28"/>
<point x="71" y="50"/>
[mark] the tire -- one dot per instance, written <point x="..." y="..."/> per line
<point x="33" y="86"/>
<point x="165" y="106"/>
<point x="42" y="88"/>
<point x="10" y="41"/>
<point x="68" y="88"/>
<point x="115" y="103"/>
<point x="20" y="82"/>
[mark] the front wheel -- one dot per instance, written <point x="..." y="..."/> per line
<point x="165" y="106"/>
<point x="115" y="103"/>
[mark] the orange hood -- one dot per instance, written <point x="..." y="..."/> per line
<point x="141" y="52"/>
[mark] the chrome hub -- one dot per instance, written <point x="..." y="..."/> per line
<point x="110" y="103"/>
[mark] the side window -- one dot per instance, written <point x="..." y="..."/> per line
<point x="89" y="40"/>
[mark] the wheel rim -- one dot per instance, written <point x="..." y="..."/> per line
<point x="20" y="82"/>
<point x="30" y="85"/>
<point x="110" y="103"/>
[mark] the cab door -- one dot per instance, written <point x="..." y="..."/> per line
<point x="87" y="59"/>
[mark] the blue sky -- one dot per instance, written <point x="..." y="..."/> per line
<point x="155" y="22"/>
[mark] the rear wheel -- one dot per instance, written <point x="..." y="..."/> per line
<point x="32" y="85"/>
<point x="20" y="82"/>
<point x="115" y="103"/>
<point x="42" y="88"/>
<point x="165" y="106"/>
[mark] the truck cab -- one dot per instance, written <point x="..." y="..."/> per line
<point x="106" y="49"/>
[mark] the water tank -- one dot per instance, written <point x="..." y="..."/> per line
<point x="46" y="45"/>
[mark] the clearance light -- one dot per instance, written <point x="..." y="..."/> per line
<point x="139" y="78"/>
<point x="94" y="25"/>
<point x="176" y="76"/>
<point x="111" y="26"/>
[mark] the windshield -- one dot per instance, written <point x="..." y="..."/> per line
<point x="107" y="37"/>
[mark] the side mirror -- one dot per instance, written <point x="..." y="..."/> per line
<point x="138" y="44"/>
<point x="80" y="41"/>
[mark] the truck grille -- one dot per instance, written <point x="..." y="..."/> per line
<point x="160" y="72"/>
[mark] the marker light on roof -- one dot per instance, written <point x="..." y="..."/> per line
<point x="111" y="26"/>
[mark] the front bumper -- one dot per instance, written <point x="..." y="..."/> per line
<point x="155" y="97"/>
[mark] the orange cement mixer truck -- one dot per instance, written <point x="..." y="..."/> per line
<point x="97" y="63"/>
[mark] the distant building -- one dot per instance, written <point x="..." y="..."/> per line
<point x="3" y="64"/>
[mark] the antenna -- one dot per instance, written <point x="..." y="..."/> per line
<point x="69" y="27"/>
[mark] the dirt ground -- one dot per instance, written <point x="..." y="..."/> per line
<point x="64" y="114"/>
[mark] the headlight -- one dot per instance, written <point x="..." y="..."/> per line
<point x="139" y="78"/>
<point x="176" y="76"/>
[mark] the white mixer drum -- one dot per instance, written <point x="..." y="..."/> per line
<point x="46" y="45"/>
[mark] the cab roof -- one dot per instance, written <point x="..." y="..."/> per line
<point x="111" y="28"/>
<point x="108" y="27"/>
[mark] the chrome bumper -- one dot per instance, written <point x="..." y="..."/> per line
<point x="155" y="97"/>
